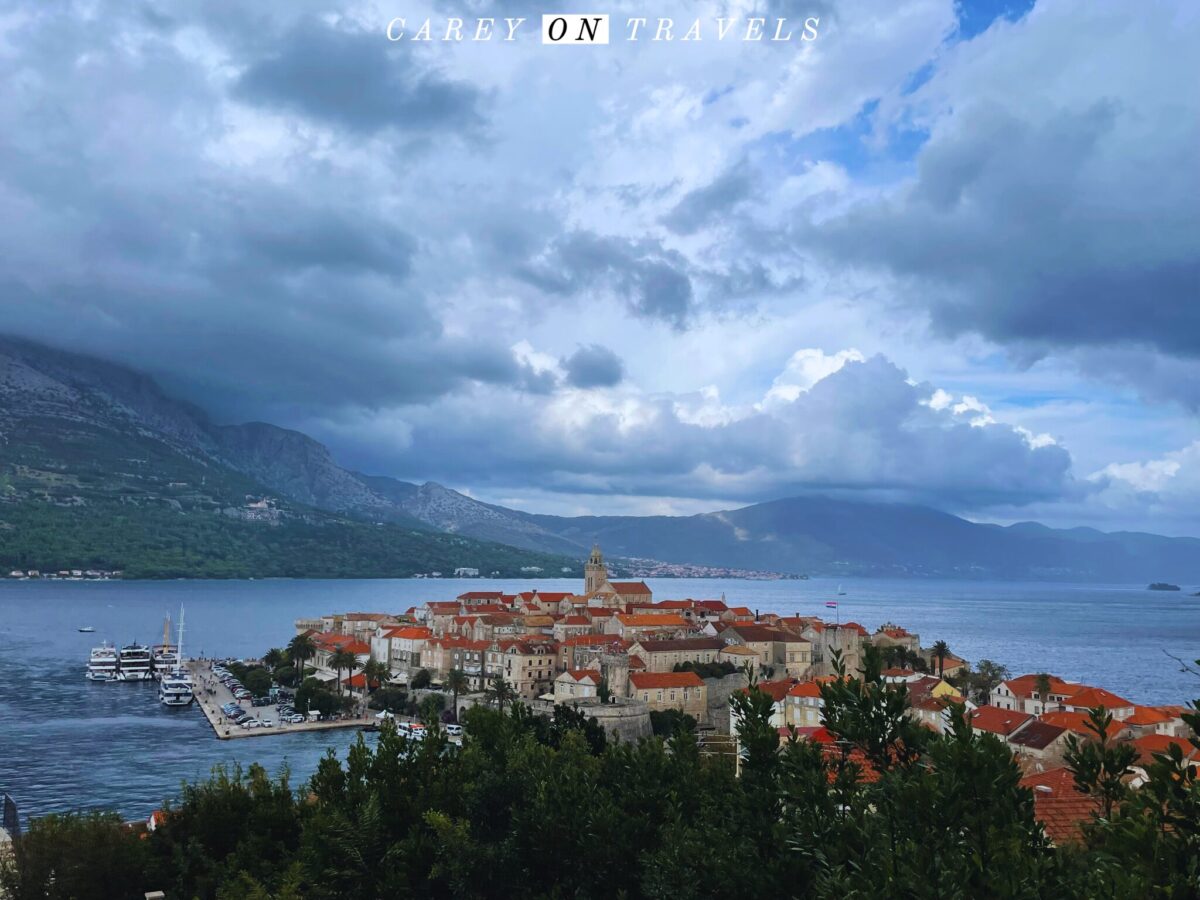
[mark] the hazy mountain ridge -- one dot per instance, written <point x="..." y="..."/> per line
<point x="96" y="422"/>
<point x="100" y="468"/>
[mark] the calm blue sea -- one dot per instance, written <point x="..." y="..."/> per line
<point x="68" y="744"/>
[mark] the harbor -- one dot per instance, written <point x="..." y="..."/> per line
<point x="214" y="698"/>
<point x="230" y="709"/>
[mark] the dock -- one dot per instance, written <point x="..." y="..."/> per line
<point x="211" y="695"/>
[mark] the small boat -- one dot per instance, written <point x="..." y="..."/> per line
<point x="86" y="629"/>
<point x="840" y="592"/>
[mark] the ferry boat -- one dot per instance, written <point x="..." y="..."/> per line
<point x="134" y="663"/>
<point x="102" y="665"/>
<point x="86" y="629"/>
<point x="174" y="690"/>
<point x="175" y="686"/>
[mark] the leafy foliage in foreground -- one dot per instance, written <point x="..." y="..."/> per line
<point x="538" y="807"/>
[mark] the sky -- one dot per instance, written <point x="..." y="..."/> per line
<point x="946" y="253"/>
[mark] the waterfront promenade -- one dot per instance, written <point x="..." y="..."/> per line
<point x="211" y="695"/>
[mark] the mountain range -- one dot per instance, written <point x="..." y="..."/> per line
<point x="99" y="453"/>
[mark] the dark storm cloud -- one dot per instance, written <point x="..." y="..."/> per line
<point x="1057" y="209"/>
<point x="653" y="281"/>
<point x="594" y="366"/>
<point x="359" y="81"/>
<point x="864" y="429"/>
<point x="702" y="206"/>
<point x="134" y="232"/>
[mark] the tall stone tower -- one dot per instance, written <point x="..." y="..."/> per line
<point x="595" y="573"/>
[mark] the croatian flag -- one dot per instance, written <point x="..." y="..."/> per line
<point x="832" y="604"/>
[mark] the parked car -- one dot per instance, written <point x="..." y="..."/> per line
<point x="454" y="730"/>
<point x="296" y="718"/>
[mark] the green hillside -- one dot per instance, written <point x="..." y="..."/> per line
<point x="153" y="541"/>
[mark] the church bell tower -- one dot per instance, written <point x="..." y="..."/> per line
<point x="595" y="573"/>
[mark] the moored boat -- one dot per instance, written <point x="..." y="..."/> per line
<point x="175" y="685"/>
<point x="102" y="664"/>
<point x="134" y="663"/>
<point x="164" y="656"/>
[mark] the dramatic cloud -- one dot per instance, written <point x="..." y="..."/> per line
<point x="648" y="277"/>
<point x="594" y="366"/>
<point x="921" y="257"/>
<point x="863" y="428"/>
<point x="1054" y="203"/>
<point x="354" y="79"/>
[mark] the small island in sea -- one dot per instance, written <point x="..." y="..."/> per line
<point x="1163" y="586"/>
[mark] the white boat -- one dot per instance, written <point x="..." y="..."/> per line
<point x="86" y="629"/>
<point x="173" y="691"/>
<point x="102" y="665"/>
<point x="175" y="686"/>
<point x="165" y="656"/>
<point x="134" y="663"/>
<point x="840" y="592"/>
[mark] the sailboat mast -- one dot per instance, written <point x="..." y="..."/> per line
<point x="179" y="643"/>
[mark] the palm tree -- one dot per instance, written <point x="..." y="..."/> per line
<point x="500" y="691"/>
<point x="301" y="648"/>
<point x="274" y="658"/>
<point x="941" y="649"/>
<point x="375" y="671"/>
<point x="342" y="659"/>
<point x="1042" y="687"/>
<point x="458" y="682"/>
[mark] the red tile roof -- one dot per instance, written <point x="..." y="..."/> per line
<point x="481" y="595"/>
<point x="1026" y="685"/>
<point x="630" y="587"/>
<point x="411" y="632"/>
<point x="776" y="690"/>
<point x="654" y="680"/>
<point x="666" y="620"/>
<point x="995" y="720"/>
<point x="584" y="675"/>
<point x="1091" y="697"/>
<point x="805" y="689"/>
<point x="1057" y="804"/>
<point x="1160" y="743"/>
<point x="1075" y="722"/>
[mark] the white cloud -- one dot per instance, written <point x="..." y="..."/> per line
<point x="804" y="369"/>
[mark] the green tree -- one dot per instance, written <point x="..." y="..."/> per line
<point x="421" y="680"/>
<point x="940" y="650"/>
<point x="1100" y="765"/>
<point x="457" y="682"/>
<point x="275" y="657"/>
<point x="1042" y="688"/>
<point x="341" y="660"/>
<point x="376" y="674"/>
<point x="500" y="692"/>
<point x="257" y="681"/>
<point x="431" y="707"/>
<point x="986" y="678"/>
<point x="301" y="649"/>
<point x="74" y="857"/>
